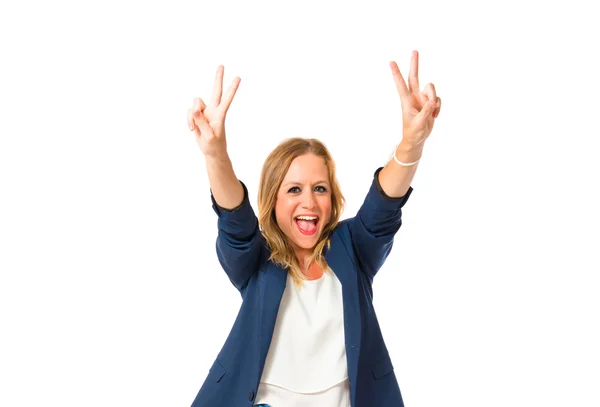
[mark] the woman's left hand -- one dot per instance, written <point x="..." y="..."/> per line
<point x="419" y="109"/>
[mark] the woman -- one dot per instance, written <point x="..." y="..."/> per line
<point x="306" y="333"/>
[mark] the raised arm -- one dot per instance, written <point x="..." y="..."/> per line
<point x="419" y="110"/>
<point x="208" y="123"/>
<point x="239" y="242"/>
<point x="380" y="217"/>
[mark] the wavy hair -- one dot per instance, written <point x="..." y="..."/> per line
<point x="273" y="172"/>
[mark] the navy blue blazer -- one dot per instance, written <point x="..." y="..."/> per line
<point x="359" y="246"/>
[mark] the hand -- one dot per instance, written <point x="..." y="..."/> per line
<point x="208" y="122"/>
<point x="419" y="109"/>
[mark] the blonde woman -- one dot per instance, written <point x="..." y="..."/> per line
<point x="306" y="333"/>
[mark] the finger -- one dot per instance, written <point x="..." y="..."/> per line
<point x="197" y="115"/>
<point x="399" y="80"/>
<point x="203" y="125"/>
<point x="413" y="75"/>
<point x="430" y="91"/>
<point x="436" y="111"/>
<point x="190" y="119"/>
<point x="218" y="86"/>
<point x="198" y="106"/>
<point x="425" y="113"/>
<point x="224" y="107"/>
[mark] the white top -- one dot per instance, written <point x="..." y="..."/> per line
<point x="308" y="353"/>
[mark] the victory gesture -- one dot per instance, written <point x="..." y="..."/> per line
<point x="208" y="121"/>
<point x="419" y="109"/>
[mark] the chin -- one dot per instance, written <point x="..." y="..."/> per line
<point x="306" y="246"/>
<point x="304" y="243"/>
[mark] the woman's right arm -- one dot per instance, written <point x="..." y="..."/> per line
<point x="239" y="242"/>
<point x="224" y="185"/>
<point x="208" y="124"/>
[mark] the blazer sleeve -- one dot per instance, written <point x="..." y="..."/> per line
<point x="239" y="241"/>
<point x="373" y="228"/>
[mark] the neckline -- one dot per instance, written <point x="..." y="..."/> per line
<point x="318" y="279"/>
<point x="314" y="279"/>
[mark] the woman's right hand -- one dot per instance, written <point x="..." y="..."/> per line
<point x="208" y="121"/>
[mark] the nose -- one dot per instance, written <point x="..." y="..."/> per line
<point x="308" y="200"/>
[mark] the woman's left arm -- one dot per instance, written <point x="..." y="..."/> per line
<point x="419" y="111"/>
<point x="373" y="228"/>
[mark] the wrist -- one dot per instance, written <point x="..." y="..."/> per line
<point x="407" y="152"/>
<point x="217" y="158"/>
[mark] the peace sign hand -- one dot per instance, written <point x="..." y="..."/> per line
<point x="208" y="121"/>
<point x="419" y="109"/>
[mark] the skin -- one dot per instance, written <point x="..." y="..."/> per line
<point x="419" y="112"/>
<point x="304" y="190"/>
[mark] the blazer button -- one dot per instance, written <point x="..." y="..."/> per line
<point x="251" y="396"/>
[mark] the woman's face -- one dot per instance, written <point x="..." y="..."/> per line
<point x="305" y="192"/>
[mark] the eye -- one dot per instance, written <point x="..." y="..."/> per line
<point x="321" y="188"/>
<point x="293" y="190"/>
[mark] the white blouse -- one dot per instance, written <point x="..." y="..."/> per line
<point x="307" y="356"/>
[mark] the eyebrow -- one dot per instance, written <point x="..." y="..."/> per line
<point x="299" y="183"/>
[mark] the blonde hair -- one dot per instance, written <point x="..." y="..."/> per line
<point x="273" y="172"/>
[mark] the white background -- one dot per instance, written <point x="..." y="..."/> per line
<point x="110" y="290"/>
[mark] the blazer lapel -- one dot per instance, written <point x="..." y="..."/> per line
<point x="339" y="261"/>
<point x="271" y="284"/>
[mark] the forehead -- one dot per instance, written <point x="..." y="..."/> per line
<point x="307" y="168"/>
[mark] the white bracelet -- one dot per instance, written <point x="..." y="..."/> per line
<point x="400" y="162"/>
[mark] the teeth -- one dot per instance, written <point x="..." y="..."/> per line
<point x="306" y="217"/>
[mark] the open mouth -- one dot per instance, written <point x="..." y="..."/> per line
<point x="307" y="225"/>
